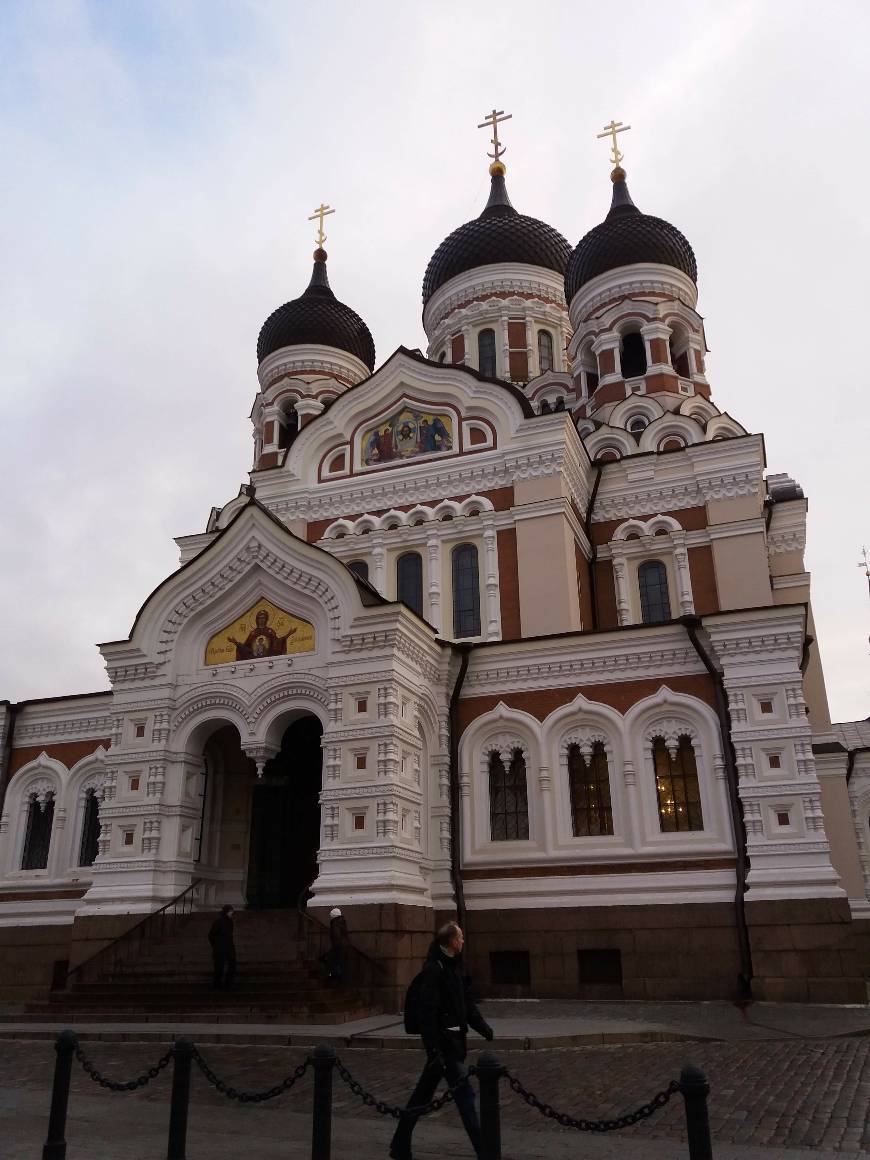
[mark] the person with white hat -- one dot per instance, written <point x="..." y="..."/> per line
<point x="337" y="942"/>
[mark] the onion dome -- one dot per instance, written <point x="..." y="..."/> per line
<point x="319" y="319"/>
<point x="624" y="238"/>
<point x="500" y="234"/>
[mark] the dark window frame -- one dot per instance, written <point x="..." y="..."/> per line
<point x="486" y="359"/>
<point x="409" y="587"/>
<point x="38" y="834"/>
<point x="678" y="788"/>
<point x="359" y="568"/>
<point x="655" y="597"/>
<point x="508" y="798"/>
<point x="545" y="339"/>
<point x="589" y="787"/>
<point x="89" y="845"/>
<point x="465" y="568"/>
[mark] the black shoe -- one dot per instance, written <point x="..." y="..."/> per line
<point x="400" y="1153"/>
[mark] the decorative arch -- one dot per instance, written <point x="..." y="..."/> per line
<point x="635" y="405"/>
<point x="42" y="781"/>
<point x="674" y="425"/>
<point x="609" y="437"/>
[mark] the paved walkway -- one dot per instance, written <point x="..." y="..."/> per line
<point x="517" y="1024"/>
<point x="787" y="1083"/>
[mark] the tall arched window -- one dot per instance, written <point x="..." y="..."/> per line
<point x="90" y="829"/>
<point x="508" y="798"/>
<point x="486" y="353"/>
<point x="591" y="811"/>
<point x="466" y="591"/>
<point x="677" y="790"/>
<point x="359" y="568"/>
<point x="409" y="581"/>
<point x="37" y="835"/>
<point x="545" y="350"/>
<point x="632" y="355"/>
<point x="652" y="580"/>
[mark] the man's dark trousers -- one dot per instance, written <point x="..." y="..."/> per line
<point x="224" y="959"/>
<point x="450" y="1066"/>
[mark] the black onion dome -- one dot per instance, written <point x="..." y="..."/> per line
<point x="319" y="318"/>
<point x="500" y="234"/>
<point x="624" y="238"/>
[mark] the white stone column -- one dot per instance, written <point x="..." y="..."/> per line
<point x="620" y="576"/>
<point x="306" y="409"/>
<point x="503" y="370"/>
<point x="532" y="348"/>
<point x="609" y="341"/>
<point x="379" y="558"/>
<point x="684" y="578"/>
<point x="468" y="360"/>
<point x="490" y="565"/>
<point x="433" y="550"/>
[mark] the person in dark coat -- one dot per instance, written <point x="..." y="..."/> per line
<point x="447" y="1010"/>
<point x="223" y="948"/>
<point x="337" y="943"/>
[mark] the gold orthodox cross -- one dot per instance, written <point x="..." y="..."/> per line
<point x="320" y="213"/>
<point x="494" y="119"/>
<point x="610" y="131"/>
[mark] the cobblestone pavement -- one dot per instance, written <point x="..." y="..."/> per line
<point x="767" y="1099"/>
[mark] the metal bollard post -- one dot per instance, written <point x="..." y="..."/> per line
<point x="695" y="1089"/>
<point x="182" y="1058"/>
<point x="55" y="1144"/>
<point x="323" y="1061"/>
<point x="489" y="1072"/>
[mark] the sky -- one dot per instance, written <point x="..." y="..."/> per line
<point x="161" y="159"/>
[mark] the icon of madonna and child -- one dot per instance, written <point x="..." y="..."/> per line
<point x="406" y="434"/>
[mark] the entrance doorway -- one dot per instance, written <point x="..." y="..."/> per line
<point x="285" y="819"/>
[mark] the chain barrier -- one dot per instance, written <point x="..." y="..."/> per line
<point x="249" y="1097"/>
<point x="385" y="1109"/>
<point x="130" y="1085"/>
<point x="581" y="1125"/>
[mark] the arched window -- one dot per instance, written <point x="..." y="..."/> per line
<point x="545" y="350"/>
<point x="442" y="357"/>
<point x="677" y="790"/>
<point x="466" y="591"/>
<point x="409" y="581"/>
<point x="486" y="353"/>
<point x="638" y="425"/>
<point x="672" y="443"/>
<point x="37" y="835"/>
<point x="90" y="829"/>
<point x="589" y="781"/>
<point x="508" y="798"/>
<point x="652" y="580"/>
<point x="632" y="355"/>
<point x="359" y="568"/>
<point x="607" y="455"/>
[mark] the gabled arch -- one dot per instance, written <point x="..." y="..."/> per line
<point x="678" y="426"/>
<point x="627" y="409"/>
<point x="609" y="437"/>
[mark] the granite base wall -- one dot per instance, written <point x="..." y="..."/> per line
<point x="31" y="957"/>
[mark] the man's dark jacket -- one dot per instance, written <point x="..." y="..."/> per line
<point x="446" y="1003"/>
<point x="221" y="934"/>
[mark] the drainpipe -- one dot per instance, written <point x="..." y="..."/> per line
<point x="6" y="756"/>
<point x="455" y="810"/>
<point x="744" y="980"/>
<point x="587" y="527"/>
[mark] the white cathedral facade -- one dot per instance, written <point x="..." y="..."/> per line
<point x="518" y="630"/>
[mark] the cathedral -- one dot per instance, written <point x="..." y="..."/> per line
<point x="516" y="630"/>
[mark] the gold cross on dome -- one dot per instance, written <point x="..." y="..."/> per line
<point x="320" y="213"/>
<point x="494" y="119"/>
<point x="610" y="131"/>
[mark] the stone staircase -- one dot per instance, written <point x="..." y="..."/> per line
<point x="278" y="975"/>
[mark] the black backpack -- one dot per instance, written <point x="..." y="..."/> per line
<point x="413" y="996"/>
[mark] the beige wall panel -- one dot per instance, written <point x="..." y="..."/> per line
<point x="742" y="578"/>
<point x="841" y="834"/>
<point x="787" y="564"/>
<point x="528" y="491"/>
<point x="742" y="507"/>
<point x="549" y="600"/>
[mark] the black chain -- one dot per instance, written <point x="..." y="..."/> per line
<point x="249" y="1097"/>
<point x="385" y="1109"/>
<point x="642" y="1113"/>
<point x="131" y="1085"/>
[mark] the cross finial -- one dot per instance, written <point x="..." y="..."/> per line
<point x="494" y="119"/>
<point x="610" y="131"/>
<point x="865" y="563"/>
<point x="320" y="213"/>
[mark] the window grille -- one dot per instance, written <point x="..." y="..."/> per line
<point x="677" y="789"/>
<point x="591" y="810"/>
<point x="508" y="798"/>
<point x="37" y="838"/>
<point x="655" y="605"/>
<point x="466" y="591"/>
<point x="486" y="353"/>
<point x="90" y="830"/>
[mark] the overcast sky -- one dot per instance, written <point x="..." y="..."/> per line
<point x="161" y="159"/>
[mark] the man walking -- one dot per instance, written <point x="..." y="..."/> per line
<point x="446" y="1012"/>
<point x="223" y="948"/>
